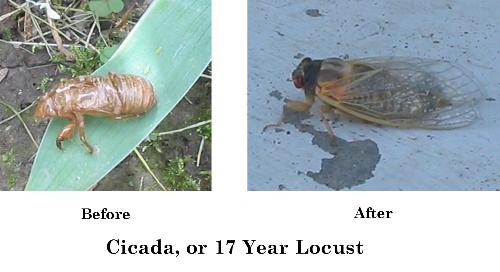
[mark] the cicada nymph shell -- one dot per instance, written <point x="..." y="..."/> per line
<point x="116" y="96"/>
<point x="393" y="91"/>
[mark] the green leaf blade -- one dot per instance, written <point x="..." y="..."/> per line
<point x="182" y="30"/>
<point x="107" y="52"/>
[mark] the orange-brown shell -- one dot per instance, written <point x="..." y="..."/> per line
<point x="112" y="95"/>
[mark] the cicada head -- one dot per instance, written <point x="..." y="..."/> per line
<point x="298" y="75"/>
<point x="44" y="108"/>
<point x="309" y="73"/>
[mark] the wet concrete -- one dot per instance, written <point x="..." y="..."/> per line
<point x="276" y="94"/>
<point x="313" y="13"/>
<point x="351" y="164"/>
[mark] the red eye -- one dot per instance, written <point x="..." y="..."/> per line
<point x="298" y="81"/>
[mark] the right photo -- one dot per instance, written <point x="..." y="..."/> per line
<point x="373" y="95"/>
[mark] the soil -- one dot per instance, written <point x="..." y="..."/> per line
<point x="21" y="87"/>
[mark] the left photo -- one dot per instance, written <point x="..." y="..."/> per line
<point x="105" y="95"/>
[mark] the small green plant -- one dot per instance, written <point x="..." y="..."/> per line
<point x="205" y="131"/>
<point x="58" y="58"/>
<point x="35" y="48"/>
<point x="202" y="115"/>
<point x="155" y="141"/>
<point x="206" y="180"/>
<point x="86" y="61"/>
<point x="11" y="181"/>
<point x="44" y="84"/>
<point x="7" y="34"/>
<point x="177" y="178"/>
<point x="9" y="160"/>
<point x="8" y="157"/>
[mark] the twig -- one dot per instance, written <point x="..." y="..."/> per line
<point x="16" y="43"/>
<point x="71" y="9"/>
<point x="14" y="115"/>
<point x="7" y="15"/>
<point x="74" y="29"/>
<point x="32" y="157"/>
<point x="143" y="161"/>
<point x="27" y="51"/>
<point x="42" y="20"/>
<point x="21" y="119"/>
<point x="41" y="66"/>
<point x="99" y="30"/>
<point x="84" y="42"/>
<point x="77" y="15"/>
<point x="27" y="31"/>
<point x="186" y="128"/>
<point x="91" y="32"/>
<point x="206" y="76"/>
<point x="61" y="28"/>
<point x="39" y="30"/>
<point x="188" y="100"/>
<point x="3" y="73"/>
<point x="198" y="158"/>
<point x="69" y="55"/>
<point x="123" y="21"/>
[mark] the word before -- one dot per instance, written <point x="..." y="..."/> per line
<point x="104" y="214"/>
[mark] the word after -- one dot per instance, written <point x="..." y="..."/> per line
<point x="372" y="213"/>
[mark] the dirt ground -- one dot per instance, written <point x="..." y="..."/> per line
<point x="22" y="86"/>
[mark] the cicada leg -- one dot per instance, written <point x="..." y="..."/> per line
<point x="81" y="126"/>
<point x="300" y="106"/>
<point x="275" y="125"/>
<point x="66" y="132"/>
<point x="324" y="109"/>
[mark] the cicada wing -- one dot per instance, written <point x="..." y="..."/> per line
<point x="407" y="92"/>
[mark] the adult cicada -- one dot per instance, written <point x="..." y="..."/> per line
<point x="393" y="91"/>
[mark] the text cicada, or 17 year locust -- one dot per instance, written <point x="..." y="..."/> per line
<point x="116" y="96"/>
<point x="392" y="91"/>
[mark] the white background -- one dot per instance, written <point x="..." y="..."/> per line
<point x="430" y="231"/>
